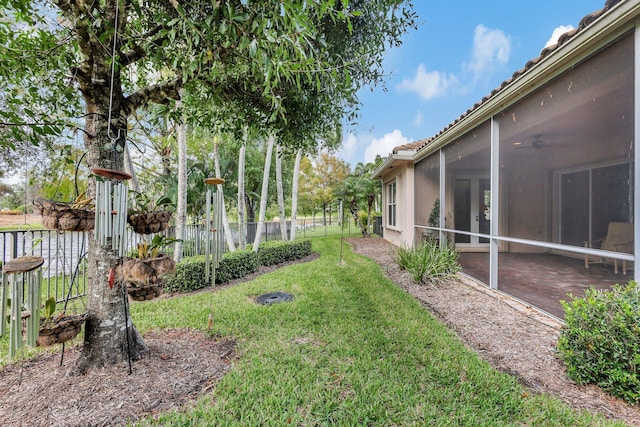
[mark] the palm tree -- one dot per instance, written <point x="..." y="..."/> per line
<point x="352" y="191"/>
<point x="371" y="189"/>
<point x="368" y="189"/>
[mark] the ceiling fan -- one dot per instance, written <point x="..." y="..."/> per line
<point x="536" y="144"/>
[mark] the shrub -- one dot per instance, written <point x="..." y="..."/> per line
<point x="236" y="264"/>
<point x="188" y="276"/>
<point x="600" y="342"/>
<point x="427" y="262"/>
<point x="190" y="272"/>
<point x="270" y="253"/>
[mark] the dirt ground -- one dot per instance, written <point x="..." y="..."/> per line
<point x="184" y="364"/>
<point x="18" y="220"/>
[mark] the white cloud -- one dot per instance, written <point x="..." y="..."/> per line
<point x="349" y="149"/>
<point x="428" y="84"/>
<point x="418" y="119"/>
<point x="557" y="32"/>
<point x="490" y="48"/>
<point x="384" y="146"/>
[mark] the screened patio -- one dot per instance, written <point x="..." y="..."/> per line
<point x="530" y="190"/>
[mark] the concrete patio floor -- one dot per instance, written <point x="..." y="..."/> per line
<point x="542" y="280"/>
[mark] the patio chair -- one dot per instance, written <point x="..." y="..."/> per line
<point x="619" y="238"/>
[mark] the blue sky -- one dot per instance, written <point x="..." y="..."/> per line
<point x="461" y="51"/>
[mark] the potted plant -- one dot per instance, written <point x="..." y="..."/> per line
<point x="142" y="272"/>
<point x="59" y="328"/>
<point x="78" y="215"/>
<point x="147" y="216"/>
<point x="433" y="221"/>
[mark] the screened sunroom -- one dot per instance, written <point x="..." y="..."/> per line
<point x="535" y="186"/>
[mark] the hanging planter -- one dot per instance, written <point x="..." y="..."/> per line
<point x="143" y="277"/>
<point x="144" y="292"/>
<point x="147" y="216"/>
<point x="60" y="329"/>
<point x="149" y="222"/>
<point x="76" y="216"/>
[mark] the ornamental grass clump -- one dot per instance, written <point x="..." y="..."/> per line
<point x="428" y="263"/>
<point x="600" y="342"/>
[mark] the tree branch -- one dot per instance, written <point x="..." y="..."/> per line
<point x="136" y="53"/>
<point x="160" y="93"/>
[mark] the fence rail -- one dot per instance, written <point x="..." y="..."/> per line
<point x="65" y="263"/>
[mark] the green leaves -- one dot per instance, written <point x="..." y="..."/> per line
<point x="428" y="263"/>
<point x="286" y="66"/>
<point x="600" y="342"/>
<point x="49" y="308"/>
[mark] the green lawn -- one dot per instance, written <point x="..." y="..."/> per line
<point x="352" y="349"/>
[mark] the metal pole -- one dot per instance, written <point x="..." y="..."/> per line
<point x="207" y="234"/>
<point x="341" y="229"/>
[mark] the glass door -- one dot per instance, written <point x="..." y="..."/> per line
<point x="472" y="209"/>
<point x="592" y="198"/>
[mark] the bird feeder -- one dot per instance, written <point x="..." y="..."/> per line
<point x="213" y="236"/>
<point x="21" y="275"/>
<point x="111" y="208"/>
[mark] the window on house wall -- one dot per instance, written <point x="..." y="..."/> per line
<point x="391" y="203"/>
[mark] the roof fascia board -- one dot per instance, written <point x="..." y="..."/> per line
<point x="404" y="155"/>
<point x="377" y="172"/>
<point x="584" y="44"/>
<point x="393" y="160"/>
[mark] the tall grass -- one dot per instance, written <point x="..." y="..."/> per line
<point x="427" y="262"/>
<point x="351" y="349"/>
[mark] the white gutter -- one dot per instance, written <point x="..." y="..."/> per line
<point x="400" y="156"/>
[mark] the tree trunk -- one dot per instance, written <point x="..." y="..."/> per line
<point x="294" y="194"/>
<point x="265" y="192"/>
<point x="324" y="213"/>
<point x="181" y="208"/>
<point x="251" y="209"/>
<point x="353" y="208"/>
<point x="110" y="336"/>
<point x="225" y="221"/>
<point x="280" y="192"/>
<point x="371" y="197"/>
<point x="242" y="224"/>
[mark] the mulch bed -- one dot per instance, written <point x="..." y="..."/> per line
<point x="181" y="365"/>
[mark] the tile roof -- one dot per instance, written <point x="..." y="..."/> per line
<point x="412" y="146"/>
<point x="584" y="22"/>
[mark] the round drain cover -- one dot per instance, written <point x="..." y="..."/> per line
<point x="273" y="298"/>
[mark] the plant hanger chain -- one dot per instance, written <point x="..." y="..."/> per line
<point x="113" y="72"/>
